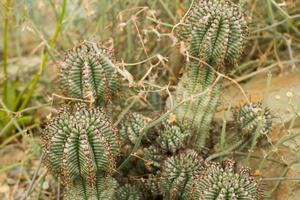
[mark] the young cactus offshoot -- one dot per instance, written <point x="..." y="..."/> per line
<point x="177" y="174"/>
<point x="249" y="116"/>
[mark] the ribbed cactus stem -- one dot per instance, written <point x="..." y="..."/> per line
<point x="131" y="127"/>
<point x="177" y="174"/>
<point x="223" y="181"/>
<point x="199" y="111"/>
<point x="250" y="115"/>
<point x="79" y="143"/>
<point x="89" y="72"/>
<point x="215" y="31"/>
<point x="129" y="192"/>
<point x="105" y="188"/>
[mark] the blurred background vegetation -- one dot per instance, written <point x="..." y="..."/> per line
<point x="36" y="33"/>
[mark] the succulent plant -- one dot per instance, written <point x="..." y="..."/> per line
<point x="249" y="116"/>
<point x="215" y="31"/>
<point x="80" y="142"/>
<point x="105" y="188"/>
<point x="153" y="156"/>
<point x="131" y="128"/>
<point x="172" y="137"/>
<point x="177" y="174"/>
<point x="129" y="192"/>
<point x="198" y="112"/>
<point x="82" y="147"/>
<point x="222" y="181"/>
<point x="89" y="72"/>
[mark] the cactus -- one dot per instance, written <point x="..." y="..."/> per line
<point x="224" y="182"/>
<point x="250" y="115"/>
<point x="89" y="72"/>
<point x="129" y="192"/>
<point x="215" y="31"/>
<point x="131" y="128"/>
<point x="153" y="156"/>
<point x="177" y="174"/>
<point x="198" y="112"/>
<point x="172" y="138"/>
<point x="105" y="188"/>
<point x="80" y="142"/>
<point x="82" y="147"/>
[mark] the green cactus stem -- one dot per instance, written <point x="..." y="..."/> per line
<point x="222" y="181"/>
<point x="89" y="72"/>
<point x="79" y="143"/>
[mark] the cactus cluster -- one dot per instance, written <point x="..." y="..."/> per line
<point x="163" y="159"/>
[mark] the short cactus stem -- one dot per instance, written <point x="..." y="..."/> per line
<point x="223" y="181"/>
<point x="249" y="116"/>
<point x="89" y="72"/>
<point x="178" y="172"/>
<point x="80" y="142"/>
<point x="215" y="31"/>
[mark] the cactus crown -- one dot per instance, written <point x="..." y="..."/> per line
<point x="130" y="192"/>
<point x="178" y="173"/>
<point x="250" y="115"/>
<point x="172" y="138"/>
<point x="224" y="182"/>
<point x="131" y="127"/>
<point x="215" y="31"/>
<point x="80" y="142"/>
<point x="89" y="72"/>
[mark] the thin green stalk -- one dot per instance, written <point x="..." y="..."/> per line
<point x="5" y="30"/>
<point x="5" y="53"/>
<point x="258" y="129"/>
<point x="281" y="140"/>
<point x="169" y="12"/>
<point x="46" y="55"/>
<point x="223" y="133"/>
<point x="282" y="178"/>
<point x="270" y="11"/>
